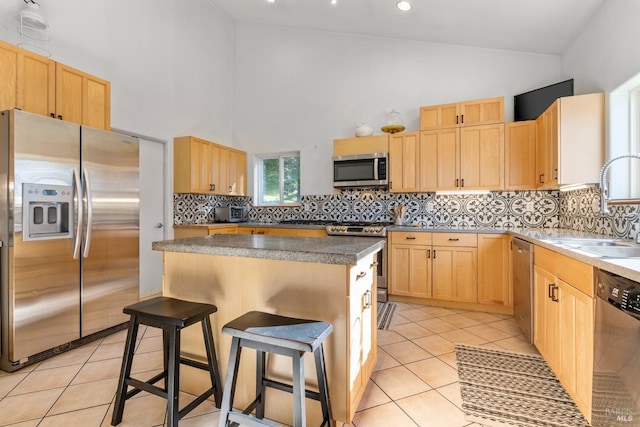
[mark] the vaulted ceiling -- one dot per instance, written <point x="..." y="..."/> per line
<point x="540" y="26"/>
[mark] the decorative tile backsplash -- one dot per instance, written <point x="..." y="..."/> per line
<point x="580" y="210"/>
<point x="496" y="209"/>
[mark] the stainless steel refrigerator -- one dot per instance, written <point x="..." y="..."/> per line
<point x="69" y="232"/>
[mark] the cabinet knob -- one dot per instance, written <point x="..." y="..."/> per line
<point x="212" y="187"/>
<point x="361" y="275"/>
<point x="462" y="183"/>
<point x="59" y="116"/>
<point x="452" y="239"/>
<point x="368" y="300"/>
<point x="434" y="254"/>
<point x="410" y="238"/>
<point x="53" y="115"/>
<point x="457" y="182"/>
<point x="541" y="178"/>
<point x="374" y="264"/>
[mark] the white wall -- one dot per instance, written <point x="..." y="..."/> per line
<point x="296" y="89"/>
<point x="170" y="64"/>
<point x="607" y="51"/>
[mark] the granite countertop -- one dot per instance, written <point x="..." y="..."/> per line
<point x="323" y="250"/>
<point x="462" y="229"/>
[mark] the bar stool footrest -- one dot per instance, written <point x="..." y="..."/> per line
<point x="288" y="388"/>
<point x="146" y="386"/>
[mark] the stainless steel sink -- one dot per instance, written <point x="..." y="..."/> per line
<point x="614" y="251"/>
<point x="578" y="242"/>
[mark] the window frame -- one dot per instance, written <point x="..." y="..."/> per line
<point x="259" y="193"/>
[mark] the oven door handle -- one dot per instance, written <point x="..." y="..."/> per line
<point x="375" y="169"/>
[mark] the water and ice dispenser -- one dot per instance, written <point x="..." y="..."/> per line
<point x="47" y="211"/>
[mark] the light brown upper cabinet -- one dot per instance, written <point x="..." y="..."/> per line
<point x="201" y="166"/>
<point x="520" y="155"/>
<point x="361" y="145"/>
<point x="39" y="85"/>
<point x="467" y="113"/>
<point x="570" y="141"/>
<point x="404" y="162"/>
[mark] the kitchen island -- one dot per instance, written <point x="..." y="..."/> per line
<point x="331" y="279"/>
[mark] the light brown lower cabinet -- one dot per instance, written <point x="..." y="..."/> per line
<point x="465" y="270"/>
<point x="278" y="231"/>
<point x="564" y="322"/>
<point x="183" y="231"/>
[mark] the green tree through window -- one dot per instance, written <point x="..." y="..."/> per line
<point x="279" y="179"/>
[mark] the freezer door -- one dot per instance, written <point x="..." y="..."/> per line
<point x="42" y="310"/>
<point x="110" y="251"/>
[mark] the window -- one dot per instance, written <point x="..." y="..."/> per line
<point x="278" y="181"/>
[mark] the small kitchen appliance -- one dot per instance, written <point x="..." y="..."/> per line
<point x="229" y="214"/>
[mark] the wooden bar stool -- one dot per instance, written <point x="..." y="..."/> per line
<point x="270" y="333"/>
<point x="171" y="315"/>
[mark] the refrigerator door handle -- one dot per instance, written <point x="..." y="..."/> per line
<point x="77" y="183"/>
<point x="87" y="239"/>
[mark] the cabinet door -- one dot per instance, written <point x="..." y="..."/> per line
<point x="482" y="157"/>
<point x="455" y="274"/>
<point x="429" y="160"/>
<point x="482" y="111"/>
<point x="448" y="159"/>
<point x="69" y="89"/>
<point x="552" y="144"/>
<point x="404" y="158"/>
<point x="200" y="166"/>
<point x="493" y="270"/>
<point x="96" y="103"/>
<point x="236" y="172"/>
<point x="8" y="76"/>
<point x="546" y="316"/>
<point x="36" y="84"/>
<point x="222" y="171"/>
<point x="541" y="151"/>
<point x="213" y="169"/>
<point x="400" y="270"/>
<point x="410" y="267"/>
<point x="520" y="155"/>
<point x="439" y="116"/>
<point x="576" y="330"/>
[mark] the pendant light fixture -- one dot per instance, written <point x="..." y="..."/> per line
<point x="33" y="29"/>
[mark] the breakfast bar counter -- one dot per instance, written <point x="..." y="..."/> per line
<point x="331" y="279"/>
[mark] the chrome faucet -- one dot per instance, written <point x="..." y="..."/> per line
<point x="604" y="187"/>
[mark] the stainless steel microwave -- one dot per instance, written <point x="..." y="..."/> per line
<point x="361" y="170"/>
<point x="229" y="214"/>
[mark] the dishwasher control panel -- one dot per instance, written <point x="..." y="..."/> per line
<point x="620" y="292"/>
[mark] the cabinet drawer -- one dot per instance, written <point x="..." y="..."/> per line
<point x="545" y="259"/>
<point x="455" y="239"/>
<point x="576" y="273"/>
<point x="410" y="238"/>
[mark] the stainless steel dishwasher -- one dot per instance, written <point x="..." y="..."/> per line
<point x="616" y="362"/>
<point x="522" y="255"/>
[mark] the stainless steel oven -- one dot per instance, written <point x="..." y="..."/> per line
<point x="616" y="365"/>
<point x="368" y="229"/>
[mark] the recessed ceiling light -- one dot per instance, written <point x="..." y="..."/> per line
<point x="271" y="1"/>
<point x="404" y="5"/>
<point x="334" y="1"/>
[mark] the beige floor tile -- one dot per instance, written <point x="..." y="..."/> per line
<point x="46" y="379"/>
<point x="26" y="407"/>
<point x="434" y="372"/>
<point x="482" y="317"/>
<point x="488" y="332"/>
<point x="90" y="417"/>
<point x="435" y="344"/>
<point x="148" y="410"/>
<point x="406" y="352"/>
<point x="461" y="320"/>
<point x="439" y="311"/>
<point x="147" y="361"/>
<point x="399" y="382"/>
<point x="403" y="306"/>
<point x="431" y="409"/>
<point x="95" y="371"/>
<point x="385" y="361"/>
<point x="108" y="351"/>
<point x="71" y="357"/>
<point x="517" y="344"/>
<point x="416" y="314"/>
<point x="389" y="414"/>
<point x="373" y="396"/>
<point x="147" y="345"/>
<point x="463" y="337"/>
<point x="9" y="381"/>
<point x="389" y="337"/>
<point x="437" y="325"/>
<point x="31" y="423"/>
<point x="119" y="336"/>
<point x="412" y="330"/>
<point x="452" y="393"/>
<point x="205" y="420"/>
<point x="507" y="325"/>
<point x="152" y="332"/>
<point x="449" y="359"/>
<point x="80" y="396"/>
<point x="399" y="319"/>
